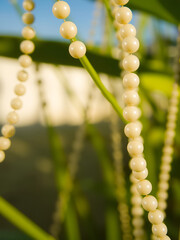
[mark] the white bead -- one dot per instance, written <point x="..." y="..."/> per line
<point x="156" y="217"/>
<point x="164" y="176"/>
<point x="164" y="238"/>
<point x="162" y="204"/>
<point x="133" y="189"/>
<point x="166" y="159"/>
<point x="113" y="3"/>
<point x="8" y="131"/>
<point x="149" y="203"/>
<point x="131" y="113"/>
<point x="131" y="81"/>
<point x="138" y="164"/>
<point x="27" y="47"/>
<point x="165" y="167"/>
<point x="122" y="55"/>
<point x="12" y="117"/>
<point x="28" y="18"/>
<point x="121" y="2"/>
<point x="25" y="61"/>
<point x="144" y="187"/>
<point x="137" y="211"/>
<point x="77" y="49"/>
<point x="159" y="230"/>
<point x="5" y="143"/>
<point x="16" y="103"/>
<point x="139" y="139"/>
<point x="138" y="233"/>
<point x="68" y="30"/>
<point x="130" y="44"/>
<point x="117" y="25"/>
<point x="141" y="175"/>
<point x="131" y="97"/>
<point x="28" y="32"/>
<point x="127" y="30"/>
<point x="132" y="130"/>
<point x="136" y="200"/>
<point x="28" y="5"/>
<point x="22" y="76"/>
<point x="137" y="222"/>
<point x="2" y="156"/>
<point x="133" y="179"/>
<point x="162" y="194"/>
<point x="61" y="9"/>
<point x="131" y="63"/>
<point x="135" y="148"/>
<point x="20" y="89"/>
<point x="163" y="186"/>
<point x="123" y="15"/>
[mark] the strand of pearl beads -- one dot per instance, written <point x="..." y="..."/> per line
<point x="68" y="29"/>
<point x="133" y="130"/>
<point x="27" y="47"/>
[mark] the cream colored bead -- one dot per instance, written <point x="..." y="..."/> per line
<point x="131" y="81"/>
<point x="159" y="230"/>
<point x="2" y="156"/>
<point x="165" y="167"/>
<point x="16" y="103"/>
<point x="138" y="233"/>
<point x="164" y="238"/>
<point x="135" y="148"/>
<point x="162" y="194"/>
<point x="131" y="63"/>
<point x="156" y="217"/>
<point x="27" y="47"/>
<point x="131" y="97"/>
<point x="173" y="109"/>
<point x="68" y="30"/>
<point x="171" y="125"/>
<point x="114" y="11"/>
<point x="170" y="134"/>
<point x="12" y="117"/>
<point x="28" y="18"/>
<point x="127" y="30"/>
<point x="117" y="25"/>
<point x="8" y="130"/>
<point x="149" y="203"/>
<point x="168" y="150"/>
<point x="144" y="187"/>
<point x="20" y="89"/>
<point x="133" y="189"/>
<point x="22" y="76"/>
<point x="133" y="179"/>
<point x="132" y="130"/>
<point x="61" y="9"/>
<point x="28" y="32"/>
<point x="138" y="164"/>
<point x="172" y="117"/>
<point x="118" y="36"/>
<point x="28" y="5"/>
<point x="113" y="3"/>
<point x="139" y="139"/>
<point x="131" y="113"/>
<point x="123" y="15"/>
<point x="5" y="143"/>
<point x="121" y="2"/>
<point x="137" y="222"/>
<point x="130" y="44"/>
<point x="166" y="159"/>
<point x="136" y="200"/>
<point x="77" y="49"/>
<point x="163" y="186"/>
<point x="25" y="61"/>
<point x="137" y="211"/>
<point x="164" y="177"/>
<point x="141" y="175"/>
<point x="162" y="204"/>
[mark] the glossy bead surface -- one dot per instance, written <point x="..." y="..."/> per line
<point x="28" y="32"/>
<point x="68" y="30"/>
<point x="149" y="203"/>
<point x="61" y="9"/>
<point x="141" y="175"/>
<point x="12" y="117"/>
<point x="20" y="89"/>
<point x="138" y="164"/>
<point x="131" y="81"/>
<point x="77" y="49"/>
<point x="144" y="187"/>
<point x="8" y="130"/>
<point x="27" y="47"/>
<point x="130" y="44"/>
<point x="25" y="61"/>
<point x="16" y="103"/>
<point x="156" y="217"/>
<point x="121" y="2"/>
<point x="131" y="63"/>
<point x="131" y="97"/>
<point x="135" y="148"/>
<point x="2" y="156"/>
<point x="159" y="230"/>
<point x="28" y="5"/>
<point x="123" y="15"/>
<point x="132" y="130"/>
<point x="22" y="76"/>
<point x="5" y="143"/>
<point x="127" y="30"/>
<point x="131" y="113"/>
<point x="28" y="18"/>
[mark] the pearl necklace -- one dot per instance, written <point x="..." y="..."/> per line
<point x="26" y="47"/>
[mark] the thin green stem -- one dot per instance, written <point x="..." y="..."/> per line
<point x="106" y="3"/>
<point x="22" y="222"/>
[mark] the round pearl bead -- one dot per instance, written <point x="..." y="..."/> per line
<point x="77" y="49"/>
<point x="168" y="150"/>
<point x="165" y="167"/>
<point x="131" y="63"/>
<point x="22" y="76"/>
<point x="127" y="30"/>
<point x="167" y="159"/>
<point x="121" y="2"/>
<point x="5" y="143"/>
<point x="170" y="134"/>
<point x="12" y="117"/>
<point x="156" y="217"/>
<point x="131" y="81"/>
<point x="61" y="9"/>
<point x="138" y="233"/>
<point x="20" y="89"/>
<point x="144" y="187"/>
<point x="162" y="195"/>
<point x="8" y="130"/>
<point x="138" y="164"/>
<point x="137" y="222"/>
<point x="27" y="47"/>
<point x="28" y="33"/>
<point x="2" y="156"/>
<point x="163" y="186"/>
<point x="141" y="175"/>
<point x="133" y="189"/>
<point x="132" y="130"/>
<point x="25" y="61"/>
<point x="164" y="176"/>
<point x="117" y="25"/>
<point x="133" y="179"/>
<point x="135" y="148"/>
<point x="149" y="203"/>
<point x="130" y="44"/>
<point x="16" y="103"/>
<point x="68" y="30"/>
<point x="162" y="204"/>
<point x="28" y="5"/>
<point x="123" y="15"/>
<point x="137" y="211"/>
<point x="131" y="97"/>
<point x="114" y="11"/>
<point x="136" y="200"/>
<point x="164" y="238"/>
<point x="159" y="230"/>
<point x="28" y="18"/>
<point x="131" y="113"/>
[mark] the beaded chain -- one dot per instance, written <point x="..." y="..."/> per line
<point x="26" y="47"/>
